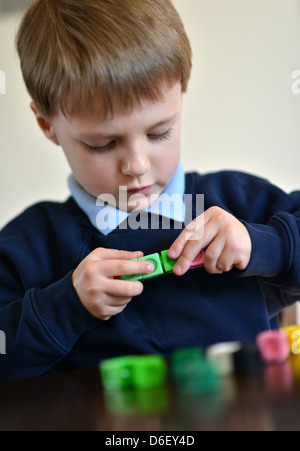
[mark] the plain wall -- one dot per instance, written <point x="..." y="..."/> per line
<point x="240" y="111"/>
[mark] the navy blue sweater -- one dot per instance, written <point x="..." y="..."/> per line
<point x="48" y="330"/>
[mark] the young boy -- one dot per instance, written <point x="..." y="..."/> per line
<point x="106" y="78"/>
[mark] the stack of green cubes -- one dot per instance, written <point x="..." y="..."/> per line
<point x="137" y="372"/>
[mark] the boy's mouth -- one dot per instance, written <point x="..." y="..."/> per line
<point x="144" y="190"/>
<point x="139" y="198"/>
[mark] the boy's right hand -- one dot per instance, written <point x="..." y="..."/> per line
<point x="95" y="282"/>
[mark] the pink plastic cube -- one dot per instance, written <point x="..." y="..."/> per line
<point x="273" y="345"/>
<point x="198" y="262"/>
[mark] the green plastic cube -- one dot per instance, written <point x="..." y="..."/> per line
<point x="139" y="372"/>
<point x="193" y="373"/>
<point x="184" y="360"/>
<point x="133" y="276"/>
<point x="200" y="378"/>
<point x="117" y="372"/>
<point x="149" y="371"/>
<point x="167" y="262"/>
<point x="158" y="269"/>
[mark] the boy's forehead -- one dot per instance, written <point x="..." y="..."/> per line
<point x="150" y="113"/>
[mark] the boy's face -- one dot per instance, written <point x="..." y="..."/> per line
<point x="138" y="151"/>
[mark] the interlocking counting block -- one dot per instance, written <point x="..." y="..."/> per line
<point x="145" y="371"/>
<point x="158" y="269"/>
<point x="149" y="371"/>
<point x="117" y="372"/>
<point x="274" y="346"/>
<point x="163" y="265"/>
<point x="247" y="360"/>
<point x="203" y="380"/>
<point x="193" y="373"/>
<point x="167" y="262"/>
<point x="221" y="356"/>
<point x="155" y="259"/>
<point x="198" y="262"/>
<point x="133" y="276"/>
<point x="182" y="360"/>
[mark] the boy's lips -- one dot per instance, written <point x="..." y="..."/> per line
<point x="145" y="190"/>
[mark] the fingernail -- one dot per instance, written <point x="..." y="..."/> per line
<point x="171" y="253"/>
<point x="150" y="268"/>
<point x="178" y="269"/>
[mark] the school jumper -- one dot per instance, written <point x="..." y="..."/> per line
<point x="49" y="331"/>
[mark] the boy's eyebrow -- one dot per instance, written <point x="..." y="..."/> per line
<point x="107" y="135"/>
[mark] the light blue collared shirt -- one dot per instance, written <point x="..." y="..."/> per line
<point x="106" y="218"/>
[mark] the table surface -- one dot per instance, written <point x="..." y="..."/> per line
<point x="268" y="401"/>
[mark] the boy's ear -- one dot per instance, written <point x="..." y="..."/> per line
<point x="44" y="124"/>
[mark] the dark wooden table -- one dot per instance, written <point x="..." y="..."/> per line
<point x="268" y="401"/>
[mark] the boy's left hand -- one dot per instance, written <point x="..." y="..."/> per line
<point x="225" y="238"/>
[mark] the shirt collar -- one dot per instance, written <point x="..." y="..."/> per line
<point x="108" y="222"/>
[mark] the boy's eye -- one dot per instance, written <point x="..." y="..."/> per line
<point x="160" y="136"/>
<point x="156" y="137"/>
<point x="101" y="149"/>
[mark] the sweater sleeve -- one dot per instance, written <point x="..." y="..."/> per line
<point x="40" y="312"/>
<point x="276" y="250"/>
<point x="272" y="218"/>
<point x="276" y="260"/>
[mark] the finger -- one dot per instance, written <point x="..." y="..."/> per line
<point x="189" y="253"/>
<point x="123" y="290"/>
<point x="111" y="312"/>
<point x="179" y="244"/>
<point x="195" y="231"/>
<point x="226" y="260"/>
<point x="120" y="302"/>
<point x="117" y="295"/>
<point x="114" y="268"/>
<point x="216" y="260"/>
<point x="201" y="240"/>
<point x="115" y="254"/>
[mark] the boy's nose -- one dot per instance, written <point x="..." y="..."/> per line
<point x="135" y="163"/>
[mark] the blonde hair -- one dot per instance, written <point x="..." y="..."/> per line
<point x="72" y="51"/>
